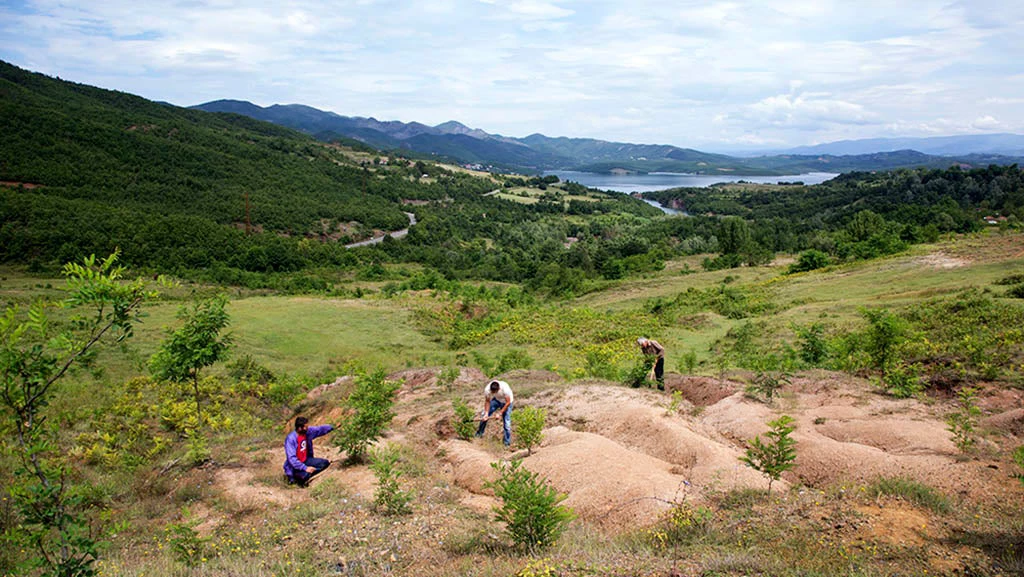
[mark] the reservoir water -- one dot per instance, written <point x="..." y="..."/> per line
<point x="630" y="183"/>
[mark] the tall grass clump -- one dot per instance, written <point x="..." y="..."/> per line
<point x="909" y="490"/>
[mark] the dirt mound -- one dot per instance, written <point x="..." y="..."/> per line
<point x="623" y="455"/>
<point x="701" y="391"/>
<point x="1011" y="422"/>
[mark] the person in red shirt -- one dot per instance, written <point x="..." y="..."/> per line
<point x="300" y="465"/>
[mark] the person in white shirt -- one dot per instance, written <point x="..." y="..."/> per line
<point x="498" y="396"/>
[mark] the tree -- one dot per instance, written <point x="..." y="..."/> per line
<point x="195" y="346"/>
<point x="776" y="456"/>
<point x="528" y="423"/>
<point x="733" y="235"/>
<point x="531" y="508"/>
<point x="371" y="404"/>
<point x="33" y="357"/>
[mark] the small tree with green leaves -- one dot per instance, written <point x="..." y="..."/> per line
<point x="371" y="404"/>
<point x="766" y="384"/>
<point x="446" y="377"/>
<point x="530" y="507"/>
<point x="196" y="345"/>
<point x="54" y="526"/>
<point x="463" y="422"/>
<point x="777" y="455"/>
<point x="389" y="498"/>
<point x="963" y="421"/>
<point x="528" y="426"/>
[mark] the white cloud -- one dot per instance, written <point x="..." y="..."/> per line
<point x="677" y="71"/>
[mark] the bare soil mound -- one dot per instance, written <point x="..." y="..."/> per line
<point x="622" y="455"/>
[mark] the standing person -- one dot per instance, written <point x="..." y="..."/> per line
<point x="655" y="354"/>
<point x="498" y="395"/>
<point x="300" y="465"/>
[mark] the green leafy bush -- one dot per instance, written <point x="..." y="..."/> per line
<point x="963" y="421"/>
<point x="809" y="260"/>
<point x="767" y="383"/>
<point x="812" y="343"/>
<point x="371" y="403"/>
<point x="777" y="455"/>
<point x="636" y="375"/>
<point x="463" y="423"/>
<point x="513" y="359"/>
<point x="187" y="547"/>
<point x="245" y="368"/>
<point x="528" y="425"/>
<point x="446" y="377"/>
<point x="389" y="498"/>
<point x="903" y="380"/>
<point x="530" y="508"/>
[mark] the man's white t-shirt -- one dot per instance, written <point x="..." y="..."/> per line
<point x="503" y="394"/>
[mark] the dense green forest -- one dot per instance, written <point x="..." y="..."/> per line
<point x="855" y="215"/>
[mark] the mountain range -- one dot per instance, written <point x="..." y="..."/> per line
<point x="455" y="142"/>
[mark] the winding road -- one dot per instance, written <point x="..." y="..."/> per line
<point x="394" y="234"/>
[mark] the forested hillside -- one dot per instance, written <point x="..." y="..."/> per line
<point x="87" y="170"/>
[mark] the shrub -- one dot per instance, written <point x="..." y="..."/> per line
<point x="530" y="507"/>
<point x="776" y="456"/>
<point x="636" y="376"/>
<point x="812" y="343"/>
<point x="1016" y="291"/>
<point x="389" y="498"/>
<point x="963" y="421"/>
<point x="462" y="422"/>
<point x="599" y="362"/>
<point x="187" y="547"/>
<point x="902" y="380"/>
<point x="371" y="403"/>
<point x="245" y="368"/>
<point x="809" y="260"/>
<point x="688" y="361"/>
<point x="528" y="425"/>
<point x="446" y="377"/>
<point x="513" y="359"/>
<point x="675" y="403"/>
<point x="886" y="332"/>
<point x="767" y="383"/>
<point x="1011" y="279"/>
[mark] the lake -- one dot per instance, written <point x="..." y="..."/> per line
<point x="630" y="183"/>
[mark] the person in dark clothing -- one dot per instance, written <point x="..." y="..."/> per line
<point x="655" y="354"/>
<point x="300" y="465"/>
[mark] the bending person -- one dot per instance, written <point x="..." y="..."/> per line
<point x="498" y="395"/>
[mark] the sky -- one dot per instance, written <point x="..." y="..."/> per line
<point x="707" y="75"/>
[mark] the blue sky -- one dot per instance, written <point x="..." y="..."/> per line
<point x="707" y="75"/>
